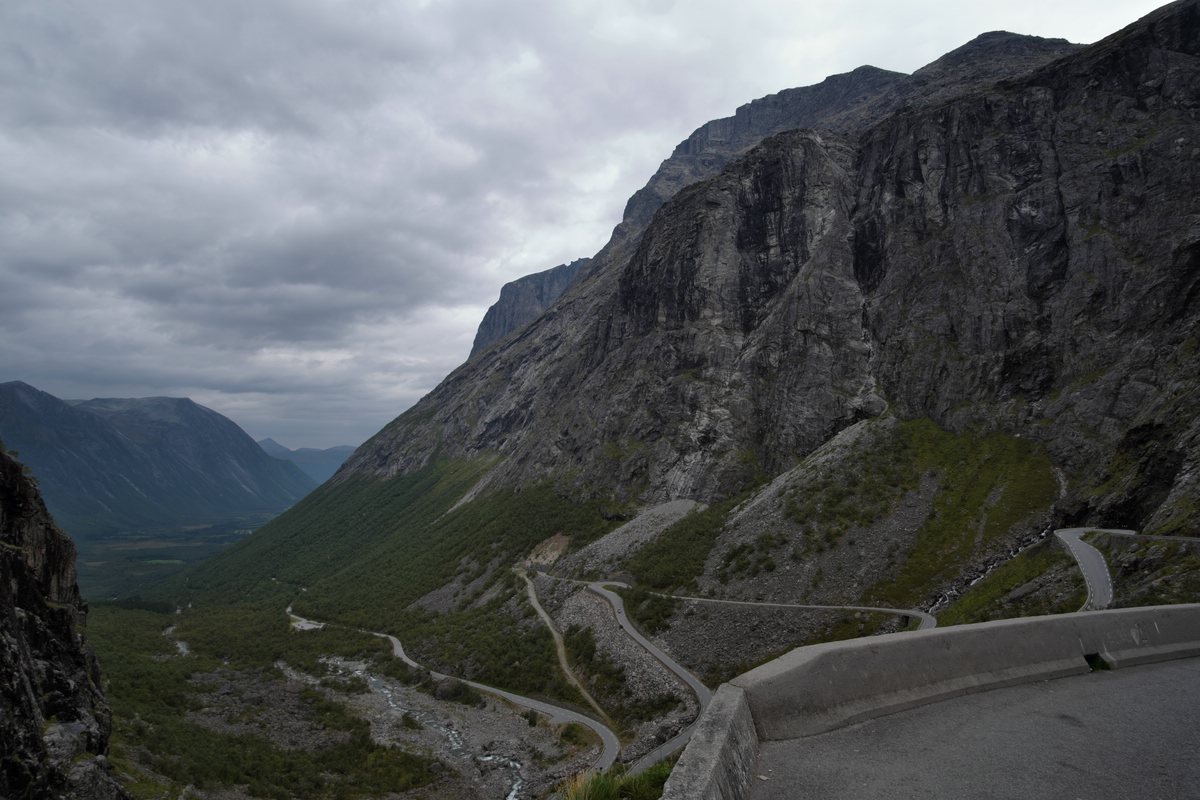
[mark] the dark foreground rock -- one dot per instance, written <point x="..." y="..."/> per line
<point x="54" y="721"/>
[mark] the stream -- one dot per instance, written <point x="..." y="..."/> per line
<point x="456" y="746"/>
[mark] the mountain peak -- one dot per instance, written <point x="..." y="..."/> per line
<point x="992" y="56"/>
<point x="272" y="447"/>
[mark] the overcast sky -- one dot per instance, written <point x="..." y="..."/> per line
<point x="295" y="212"/>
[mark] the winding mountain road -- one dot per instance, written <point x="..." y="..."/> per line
<point x="702" y="692"/>
<point x="927" y="620"/>
<point x="610" y="745"/>
<point x="703" y="695"/>
<point x="1092" y="564"/>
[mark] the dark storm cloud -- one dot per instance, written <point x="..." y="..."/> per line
<point x="297" y="211"/>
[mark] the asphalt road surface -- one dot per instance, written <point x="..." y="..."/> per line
<point x="1092" y="564"/>
<point x="927" y="620"/>
<point x="702" y="692"/>
<point x="703" y="695"/>
<point x="1128" y="734"/>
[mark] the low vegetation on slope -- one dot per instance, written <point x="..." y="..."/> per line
<point x="362" y="553"/>
<point x="969" y="495"/>
<point x="893" y="514"/>
<point x="1041" y="580"/>
<point x="399" y="555"/>
<point x="986" y="486"/>
<point x="674" y="559"/>
<point x="616" y="784"/>
<point x="1149" y="572"/>
<point x="167" y="735"/>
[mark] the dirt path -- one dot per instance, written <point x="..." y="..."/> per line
<point x="561" y="648"/>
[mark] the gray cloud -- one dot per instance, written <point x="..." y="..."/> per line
<point x="296" y="212"/>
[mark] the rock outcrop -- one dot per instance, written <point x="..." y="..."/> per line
<point x="843" y="103"/>
<point x="54" y="722"/>
<point x="522" y="301"/>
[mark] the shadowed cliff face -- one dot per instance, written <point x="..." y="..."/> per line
<point x="1030" y="255"/>
<point x="54" y="722"/>
<point x="1017" y="256"/>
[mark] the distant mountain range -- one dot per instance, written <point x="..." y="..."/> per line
<point x="316" y="464"/>
<point x="113" y="464"/>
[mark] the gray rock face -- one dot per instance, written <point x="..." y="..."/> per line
<point x="1020" y="255"/>
<point x="1031" y="257"/>
<point x="842" y="103"/>
<point x="54" y="722"/>
<point x="522" y="301"/>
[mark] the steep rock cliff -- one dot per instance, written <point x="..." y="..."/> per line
<point x="843" y="103"/>
<point x="54" y="722"/>
<point x="1018" y="255"/>
<point x="1031" y="256"/>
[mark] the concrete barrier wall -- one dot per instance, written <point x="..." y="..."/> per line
<point x="818" y="688"/>
<point x="718" y="763"/>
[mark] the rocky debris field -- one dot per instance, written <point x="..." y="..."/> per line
<point x="242" y="702"/>
<point x="718" y="641"/>
<point x="1151" y="571"/>
<point x="490" y="751"/>
<point x="646" y="680"/>
<point x="602" y="557"/>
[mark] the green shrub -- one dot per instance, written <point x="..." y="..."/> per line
<point x="616" y="784"/>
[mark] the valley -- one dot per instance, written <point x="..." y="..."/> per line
<point x="257" y="645"/>
<point x="882" y="355"/>
<point x="122" y="563"/>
